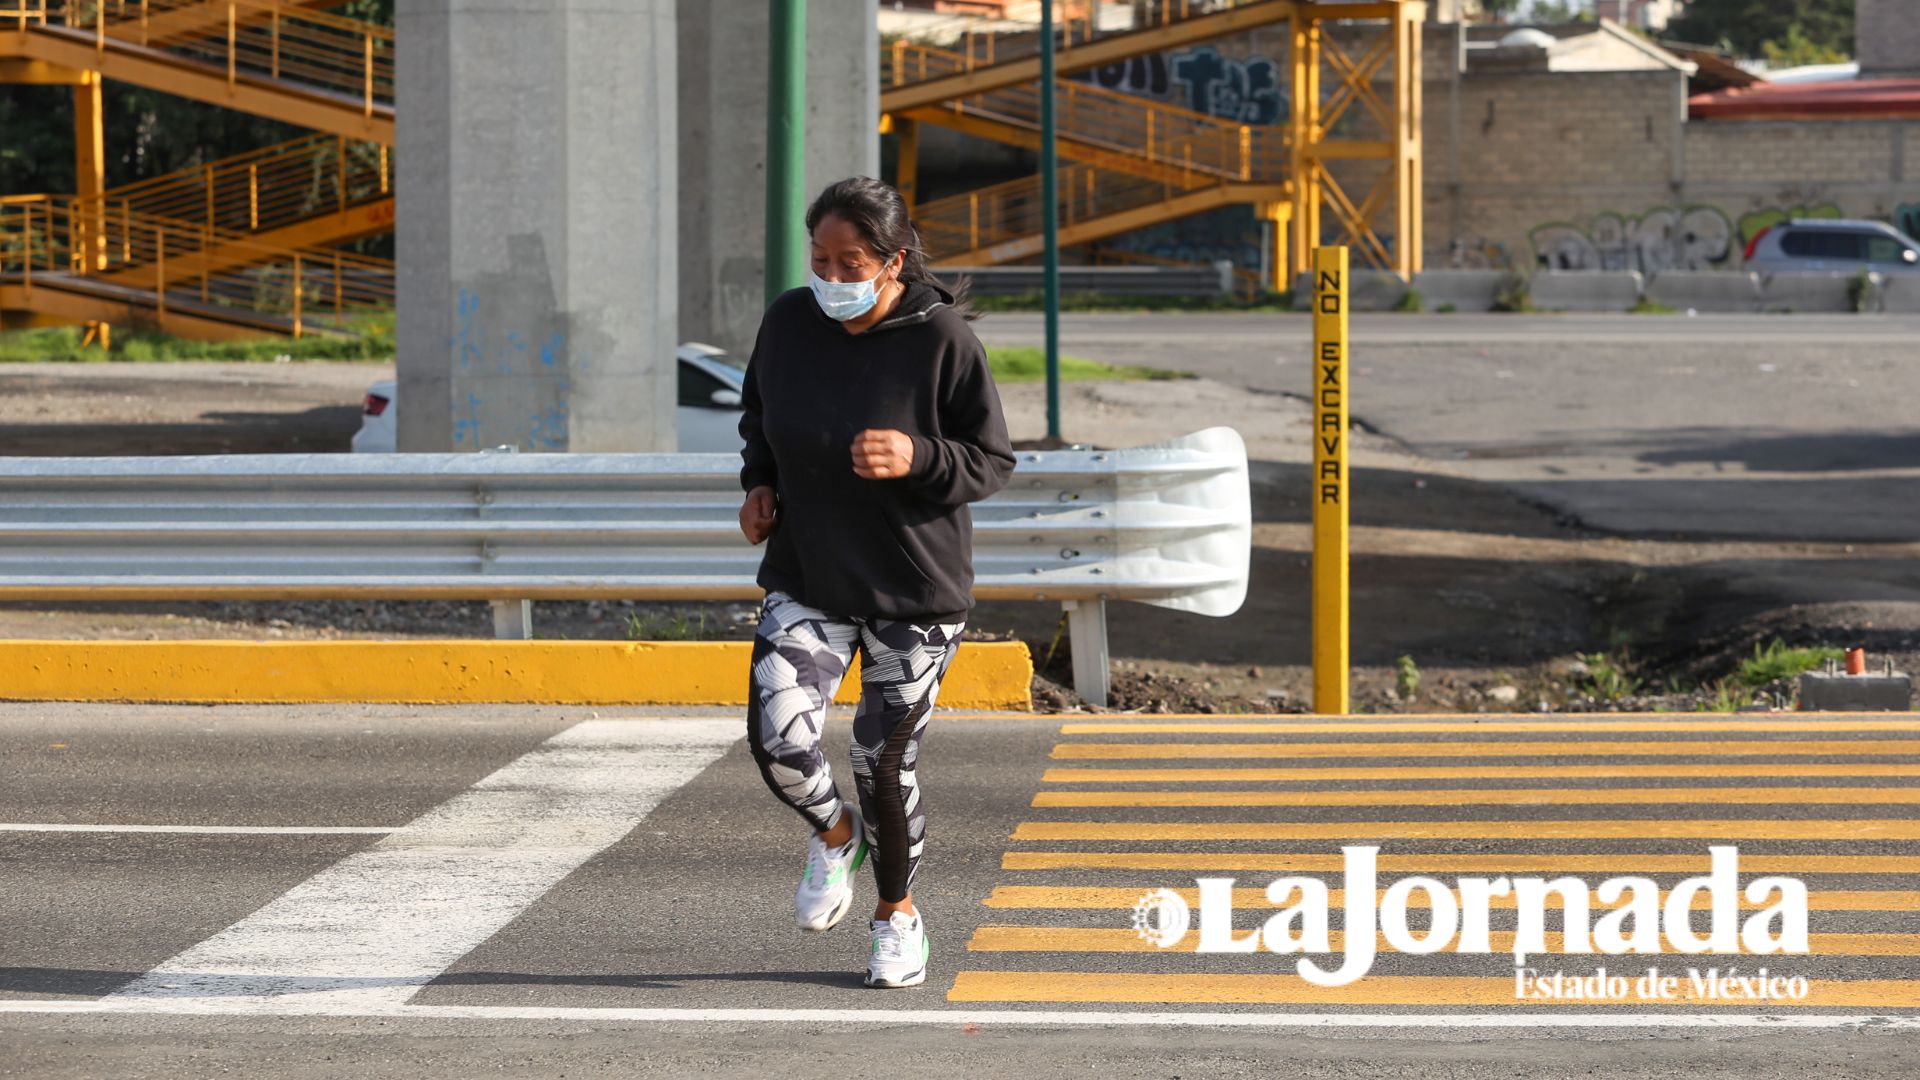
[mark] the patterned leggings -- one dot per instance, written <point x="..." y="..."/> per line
<point x="799" y="658"/>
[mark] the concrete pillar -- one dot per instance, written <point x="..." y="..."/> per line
<point x="537" y="226"/>
<point x="723" y="146"/>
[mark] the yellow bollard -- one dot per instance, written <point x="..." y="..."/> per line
<point x="1330" y="487"/>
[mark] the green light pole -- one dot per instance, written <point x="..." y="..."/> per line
<point x="786" y="138"/>
<point x="1049" y="218"/>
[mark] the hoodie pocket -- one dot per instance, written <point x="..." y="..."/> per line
<point x="897" y="537"/>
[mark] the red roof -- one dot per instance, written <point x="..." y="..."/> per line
<point x="1867" y="98"/>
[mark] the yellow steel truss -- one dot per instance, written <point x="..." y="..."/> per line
<point x="1132" y="162"/>
<point x="1320" y="195"/>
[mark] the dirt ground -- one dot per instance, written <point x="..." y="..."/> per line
<point x="1492" y="599"/>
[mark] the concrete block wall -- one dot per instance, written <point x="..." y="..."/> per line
<point x="1887" y="37"/>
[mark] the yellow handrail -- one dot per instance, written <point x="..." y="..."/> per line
<point x="179" y="266"/>
<point x="970" y="42"/>
<point x="269" y="187"/>
<point x="256" y="38"/>
<point x="1158" y="135"/>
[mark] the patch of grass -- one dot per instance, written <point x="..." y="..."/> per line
<point x="1644" y="306"/>
<point x="1033" y="301"/>
<point x="1776" y="661"/>
<point x="372" y="339"/>
<point x="1012" y="364"/>
<point x="1410" y="302"/>
<point x="1446" y="309"/>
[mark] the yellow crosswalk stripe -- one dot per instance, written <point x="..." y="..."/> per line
<point x="1417" y="863"/>
<point x="1066" y="896"/>
<point x="1378" y="990"/>
<point x="1793" y="770"/>
<point x="1540" y="748"/>
<point x="1359" y="831"/>
<point x="1092" y="939"/>
<point x="1442" y="752"/>
<point x="1490" y="797"/>
<point x="1558" y="727"/>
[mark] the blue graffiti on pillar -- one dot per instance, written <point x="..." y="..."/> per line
<point x="465" y="340"/>
<point x="551" y="350"/>
<point x="465" y="427"/>
<point x="1244" y="91"/>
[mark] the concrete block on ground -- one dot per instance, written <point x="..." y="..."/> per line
<point x="1367" y="290"/>
<point x="1900" y="293"/>
<point x="1805" y="291"/>
<point x="1465" y="290"/>
<point x="1856" y="693"/>
<point x="1122" y="281"/>
<point x="1705" y="290"/>
<point x="1586" y="290"/>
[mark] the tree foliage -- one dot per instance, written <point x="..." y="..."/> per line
<point x="1746" y="27"/>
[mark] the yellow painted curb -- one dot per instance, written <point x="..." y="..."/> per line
<point x="985" y="675"/>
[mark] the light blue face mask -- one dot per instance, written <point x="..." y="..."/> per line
<point x="843" y="300"/>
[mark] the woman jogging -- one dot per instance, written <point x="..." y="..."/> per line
<point x="871" y="421"/>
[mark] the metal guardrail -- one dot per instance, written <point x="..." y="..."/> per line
<point x="1167" y="524"/>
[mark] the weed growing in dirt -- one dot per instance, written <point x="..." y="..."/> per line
<point x="1410" y="302"/>
<point x="676" y="627"/>
<point x="1860" y="290"/>
<point x="1727" y="696"/>
<point x="1775" y="661"/>
<point x="1644" y="306"/>
<point x="1514" y="297"/>
<point x="1608" y="677"/>
<point x="1406" y="678"/>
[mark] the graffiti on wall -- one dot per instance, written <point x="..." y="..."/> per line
<point x="1477" y="253"/>
<point x="1752" y="224"/>
<point x="1243" y="90"/>
<point x="1906" y="218"/>
<point x="1663" y="238"/>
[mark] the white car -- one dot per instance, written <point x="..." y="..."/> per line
<point x="708" y="417"/>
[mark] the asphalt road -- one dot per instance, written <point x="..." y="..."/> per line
<point x="1717" y="426"/>
<point x="388" y="890"/>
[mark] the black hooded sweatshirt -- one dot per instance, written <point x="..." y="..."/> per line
<point x="898" y="548"/>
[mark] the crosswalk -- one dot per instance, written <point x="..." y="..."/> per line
<point x="1131" y="806"/>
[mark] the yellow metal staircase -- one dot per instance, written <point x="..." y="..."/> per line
<point x="236" y="247"/>
<point x="272" y="59"/>
<point x="1130" y="162"/>
<point x="66" y="260"/>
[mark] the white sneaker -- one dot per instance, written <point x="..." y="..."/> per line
<point x="899" y="953"/>
<point x="826" y="888"/>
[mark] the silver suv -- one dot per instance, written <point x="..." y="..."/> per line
<point x="1833" y="244"/>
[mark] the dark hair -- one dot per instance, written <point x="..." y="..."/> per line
<point x="878" y="213"/>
